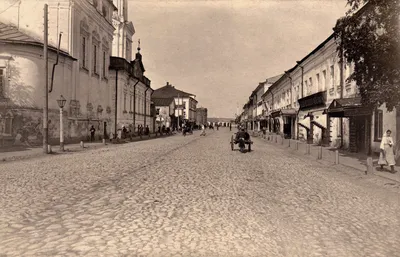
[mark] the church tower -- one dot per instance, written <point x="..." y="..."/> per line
<point x="124" y="31"/>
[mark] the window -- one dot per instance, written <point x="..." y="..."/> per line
<point x="2" y="82"/>
<point x="124" y="101"/>
<point x="378" y="125"/>
<point x="95" y="59"/>
<point x="324" y="80"/>
<point x="83" y="53"/>
<point x="310" y="86"/>
<point x="158" y="111"/>
<point x="332" y="76"/>
<point x="318" y="83"/>
<point x="8" y="125"/>
<point x="104" y="64"/>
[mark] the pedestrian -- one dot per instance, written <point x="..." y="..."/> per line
<point x="386" y="156"/>
<point x="92" y="131"/>
<point x="147" y="130"/>
<point x="203" y="131"/>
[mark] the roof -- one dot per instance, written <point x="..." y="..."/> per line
<point x="11" y="34"/>
<point x="274" y="79"/>
<point x="162" y="101"/>
<point x="346" y="102"/>
<point x="169" y="91"/>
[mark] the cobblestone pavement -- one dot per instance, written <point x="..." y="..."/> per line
<point x="192" y="196"/>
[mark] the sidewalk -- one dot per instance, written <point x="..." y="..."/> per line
<point x="346" y="159"/>
<point x="14" y="153"/>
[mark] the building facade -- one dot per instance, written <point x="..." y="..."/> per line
<point x="185" y="103"/>
<point x="165" y="109"/>
<point x="131" y="88"/>
<point x="201" y="116"/>
<point x="81" y="75"/>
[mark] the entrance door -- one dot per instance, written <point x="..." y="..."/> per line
<point x="287" y="127"/>
<point x="360" y="135"/>
<point x="105" y="136"/>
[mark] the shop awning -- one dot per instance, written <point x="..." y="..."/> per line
<point x="305" y="122"/>
<point x="288" y="112"/>
<point x="347" y="107"/>
<point x="284" y="112"/>
<point x="320" y="120"/>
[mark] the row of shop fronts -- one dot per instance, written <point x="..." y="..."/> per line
<point x="342" y="123"/>
<point x="314" y="102"/>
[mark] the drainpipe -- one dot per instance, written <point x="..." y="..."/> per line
<point x="134" y="105"/>
<point x="115" y="103"/>
<point x="342" y="83"/>
<point x="302" y="92"/>
<point x="291" y="95"/>
<point x="145" y="104"/>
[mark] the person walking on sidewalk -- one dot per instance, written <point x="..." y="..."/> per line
<point x="92" y="131"/>
<point x="386" y="156"/>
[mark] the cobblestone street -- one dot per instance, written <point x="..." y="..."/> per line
<point x="192" y="196"/>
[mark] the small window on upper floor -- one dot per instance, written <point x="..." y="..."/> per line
<point x="2" y="82"/>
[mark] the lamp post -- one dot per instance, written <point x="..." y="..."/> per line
<point x="61" y="104"/>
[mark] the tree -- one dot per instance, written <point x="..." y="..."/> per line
<point x="369" y="38"/>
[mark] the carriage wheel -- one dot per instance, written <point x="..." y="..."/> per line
<point x="232" y="144"/>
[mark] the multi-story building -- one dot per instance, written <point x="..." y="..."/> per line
<point x="201" y="116"/>
<point x="132" y="101"/>
<point x="165" y="111"/>
<point x="315" y="102"/>
<point x="185" y="102"/>
<point x="81" y="74"/>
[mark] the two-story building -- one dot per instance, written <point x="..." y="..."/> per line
<point x="185" y="103"/>
<point x="81" y="74"/>
<point x="165" y="111"/>
<point x="131" y="88"/>
<point x="201" y="116"/>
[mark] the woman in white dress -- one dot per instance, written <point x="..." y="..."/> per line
<point x="386" y="156"/>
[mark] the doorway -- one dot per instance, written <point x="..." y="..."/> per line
<point x="105" y="134"/>
<point x="359" y="134"/>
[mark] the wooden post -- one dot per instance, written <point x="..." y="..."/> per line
<point x="104" y="141"/>
<point x="370" y="166"/>
<point x="82" y="144"/>
<point x="289" y="143"/>
<point x="297" y="146"/>
<point x="308" y="149"/>
<point x="336" y="157"/>
<point x="276" y="139"/>
<point x="283" y="140"/>
<point x="319" y="152"/>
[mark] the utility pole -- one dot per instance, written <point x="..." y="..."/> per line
<point x="178" y="113"/>
<point x="46" y="81"/>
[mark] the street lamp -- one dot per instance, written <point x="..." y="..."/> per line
<point x="61" y="104"/>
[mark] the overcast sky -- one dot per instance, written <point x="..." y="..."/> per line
<point x="220" y="50"/>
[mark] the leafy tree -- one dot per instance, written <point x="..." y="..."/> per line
<point x="368" y="35"/>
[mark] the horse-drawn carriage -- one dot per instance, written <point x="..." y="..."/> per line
<point x="242" y="140"/>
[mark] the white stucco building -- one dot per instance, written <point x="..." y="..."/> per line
<point x="81" y="75"/>
<point x="132" y="101"/>
<point x="185" y="103"/>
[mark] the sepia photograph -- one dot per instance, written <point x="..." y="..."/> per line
<point x="200" y="128"/>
